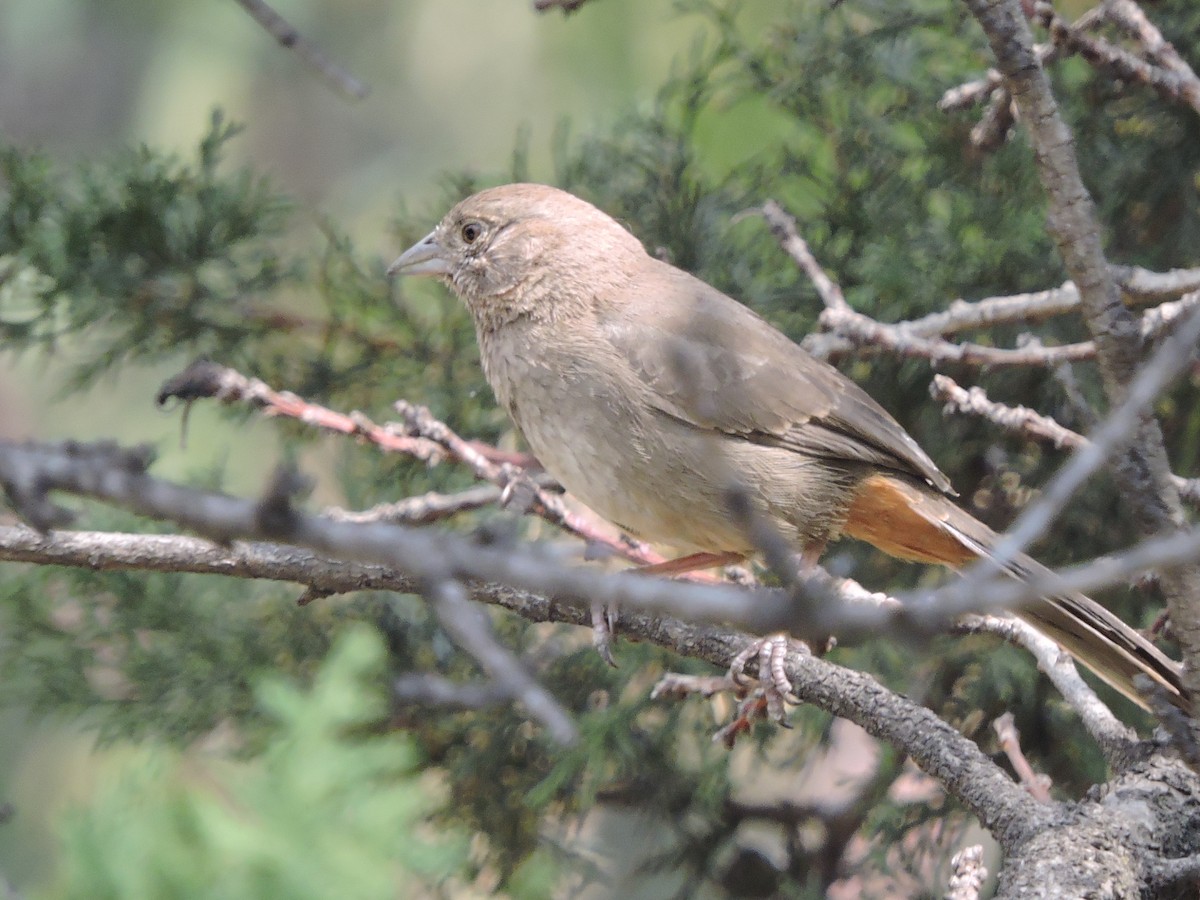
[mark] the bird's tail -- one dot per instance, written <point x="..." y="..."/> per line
<point x="910" y="521"/>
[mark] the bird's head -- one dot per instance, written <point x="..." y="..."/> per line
<point x="524" y="249"/>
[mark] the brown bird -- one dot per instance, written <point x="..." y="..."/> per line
<point x="647" y="393"/>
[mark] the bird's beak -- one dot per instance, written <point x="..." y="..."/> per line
<point x="425" y="257"/>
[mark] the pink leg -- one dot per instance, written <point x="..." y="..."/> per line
<point x="690" y="563"/>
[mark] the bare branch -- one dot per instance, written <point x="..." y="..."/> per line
<point x="428" y="689"/>
<point x="940" y="750"/>
<point x="1117" y="741"/>
<point x="995" y="125"/>
<point x="859" y="329"/>
<point x="467" y="624"/>
<point x="567" y="6"/>
<point x="1019" y="419"/>
<point x="783" y="226"/>
<point x="1173" y="84"/>
<point x="1027" y="422"/>
<point x="312" y="55"/>
<point x="1130" y="18"/>
<point x="973" y="92"/>
<point x="206" y="379"/>
<point x="425" y="509"/>
<point x="1010" y="742"/>
<point x="421" y="436"/>
<point x="1142" y="283"/>
<point x="1114" y="433"/>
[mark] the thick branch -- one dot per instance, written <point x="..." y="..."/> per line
<point x="940" y="750"/>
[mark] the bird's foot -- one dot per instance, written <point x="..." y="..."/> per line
<point x="765" y="699"/>
<point x="771" y="652"/>
<point x="604" y="623"/>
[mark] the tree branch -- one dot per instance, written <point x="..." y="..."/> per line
<point x="849" y="330"/>
<point x="1027" y="422"/>
<point x="1174" y="85"/>
<point x="1141" y="470"/>
<point x="1116" y="740"/>
<point x="940" y="750"/>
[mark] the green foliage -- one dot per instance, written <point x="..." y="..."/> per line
<point x="329" y="808"/>
<point x="142" y="654"/>
<point x="149" y="251"/>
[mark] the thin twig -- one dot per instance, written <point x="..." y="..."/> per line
<point x="972" y="92"/>
<point x="425" y="509"/>
<point x="567" y="6"/>
<point x="468" y="626"/>
<point x="783" y="226"/>
<point x="1171" y="84"/>
<point x="312" y="55"/>
<point x="1115" y="432"/>
<point x="1027" y="422"/>
<point x="860" y="330"/>
<point x="1010" y="742"/>
<point x="1131" y="19"/>
<point x="428" y="689"/>
<point x="1117" y="741"/>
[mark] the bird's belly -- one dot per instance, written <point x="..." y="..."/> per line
<point x="660" y="493"/>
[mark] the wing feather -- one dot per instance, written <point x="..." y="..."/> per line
<point x="712" y="362"/>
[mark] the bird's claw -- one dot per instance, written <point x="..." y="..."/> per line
<point x="604" y="620"/>
<point x="680" y="686"/>
<point x="767" y="698"/>
<point x="771" y="652"/>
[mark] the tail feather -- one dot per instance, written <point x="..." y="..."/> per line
<point x="1113" y="650"/>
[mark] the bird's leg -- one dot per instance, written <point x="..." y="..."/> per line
<point x="772" y="650"/>
<point x="691" y="563"/>
<point x="603" y="618"/>
<point x="774" y="690"/>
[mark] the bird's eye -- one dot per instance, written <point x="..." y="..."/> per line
<point x="471" y="232"/>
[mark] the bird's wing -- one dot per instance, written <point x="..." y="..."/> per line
<point x="712" y="362"/>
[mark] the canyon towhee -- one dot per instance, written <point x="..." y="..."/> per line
<point x="648" y="394"/>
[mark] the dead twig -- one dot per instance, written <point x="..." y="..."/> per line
<point x="1116" y="741"/>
